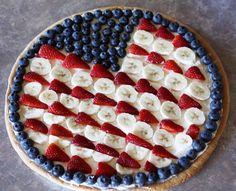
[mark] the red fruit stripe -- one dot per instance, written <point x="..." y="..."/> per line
<point x="193" y="131"/>
<point x="124" y="107"/>
<point x="127" y="161"/>
<point x="58" y="108"/>
<point x="84" y="119"/>
<point x="160" y="151"/>
<point x="149" y="167"/>
<point x="170" y="126"/>
<point x="131" y="138"/>
<point x="164" y="33"/>
<point x="36" y="125"/>
<point x="106" y="150"/>
<point x="137" y="50"/>
<point x="59" y="131"/>
<point x="155" y="58"/>
<point x="186" y="102"/>
<point x="179" y="41"/>
<point x="81" y="93"/>
<point x="105" y="170"/>
<point x="123" y="78"/>
<point x="147" y="117"/>
<point x="111" y="129"/>
<point x="35" y="77"/>
<point x="82" y="141"/>
<point x="146" y="25"/>
<point x="59" y="87"/>
<point x="49" y="52"/>
<point x="78" y="164"/>
<point x="74" y="61"/>
<point x="144" y="85"/>
<point x="165" y="95"/>
<point x="99" y="71"/>
<point x="171" y="65"/>
<point x="101" y="99"/>
<point x="194" y="73"/>
<point x="32" y="101"/>
<point x="54" y="153"/>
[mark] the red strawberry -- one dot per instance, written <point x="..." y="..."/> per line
<point x="105" y="169"/>
<point x="165" y="95"/>
<point x="155" y="58"/>
<point x="36" y="125"/>
<point x="58" y="108"/>
<point x="84" y="119"/>
<point x="164" y="33"/>
<point x="146" y="25"/>
<point x="127" y="161"/>
<point x="143" y="85"/>
<point x="78" y="164"/>
<point x="186" y="102"/>
<point x="124" y="107"/>
<point x="149" y="167"/>
<point x="137" y="50"/>
<point x="179" y="41"/>
<point x="101" y="99"/>
<point x="172" y="66"/>
<point x="54" y="153"/>
<point x="106" y="150"/>
<point x="99" y="71"/>
<point x="82" y="141"/>
<point x="170" y="126"/>
<point x="49" y="52"/>
<point x="147" y="117"/>
<point x="59" y="131"/>
<point x="81" y="93"/>
<point x="194" y="73"/>
<point x="32" y="101"/>
<point x="131" y="138"/>
<point x="160" y="151"/>
<point x="123" y="78"/>
<point x="111" y="129"/>
<point x="193" y="131"/>
<point x="59" y="87"/>
<point x="35" y="77"/>
<point x="74" y="61"/>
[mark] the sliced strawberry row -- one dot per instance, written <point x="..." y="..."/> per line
<point x="35" y="77"/>
<point x="155" y="58"/>
<point x="137" y="50"/>
<point x="165" y="95"/>
<point x="194" y="73"/>
<point x="170" y="126"/>
<point x="146" y="25"/>
<point x="32" y="101"/>
<point x="49" y="52"/>
<point x="186" y="102"/>
<point x="160" y="151"/>
<point x="109" y="128"/>
<point x="134" y="139"/>
<point x="124" y="107"/>
<point x="105" y="169"/>
<point x="101" y="99"/>
<point x="82" y="141"/>
<point x="147" y="117"/>
<point x="59" y="87"/>
<point x="99" y="71"/>
<point x="58" y="108"/>
<point x="36" y="125"/>
<point x="59" y="131"/>
<point x="74" y="61"/>
<point x="123" y="78"/>
<point x="85" y="119"/>
<point x="55" y="153"/>
<point x="144" y="85"/>
<point x="171" y="65"/>
<point x="127" y="161"/>
<point x="81" y="93"/>
<point x="106" y="150"/>
<point x="179" y="41"/>
<point x="78" y="164"/>
<point x="149" y="167"/>
<point x="193" y="131"/>
<point x="163" y="32"/>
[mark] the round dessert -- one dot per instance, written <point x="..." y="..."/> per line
<point x="116" y="98"/>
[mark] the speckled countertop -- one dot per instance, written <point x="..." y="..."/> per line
<point x="21" y="20"/>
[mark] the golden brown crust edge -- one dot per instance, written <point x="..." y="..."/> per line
<point x="181" y="177"/>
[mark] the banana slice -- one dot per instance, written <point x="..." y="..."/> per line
<point x="63" y="143"/>
<point x="175" y="81"/>
<point x="149" y="101"/>
<point x="69" y="101"/>
<point x="50" y="119"/>
<point x="32" y="88"/>
<point x="82" y="79"/>
<point x="163" y="138"/>
<point x="37" y="137"/>
<point x="104" y="85"/>
<point x="143" y="37"/>
<point x="93" y="133"/>
<point x="194" y="116"/>
<point x="126" y="122"/>
<point x="183" y="142"/>
<point x="162" y="46"/>
<point x="60" y="73"/>
<point x="48" y="97"/>
<point x="136" y="152"/>
<point x="114" y="141"/>
<point x="100" y="157"/>
<point x="107" y="114"/>
<point x="31" y="113"/>
<point x="185" y="55"/>
<point x="158" y="161"/>
<point x="143" y="130"/>
<point x="126" y="93"/>
<point x="123" y="170"/>
<point x="132" y="66"/>
<point x="153" y="72"/>
<point x="170" y="110"/>
<point x="73" y="126"/>
<point x="40" y="65"/>
<point x="199" y="91"/>
<point x="80" y="151"/>
<point x="88" y="107"/>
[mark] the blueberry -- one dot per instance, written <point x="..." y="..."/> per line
<point x="91" y="180"/>
<point x="96" y="60"/>
<point x="173" y="26"/>
<point x="112" y="51"/>
<point x="33" y="152"/>
<point x="118" y="28"/>
<point x="122" y="44"/>
<point x="127" y="12"/>
<point x="85" y="39"/>
<point x="30" y="53"/>
<point x="87" y="48"/>
<point x="174" y="168"/>
<point x="148" y="15"/>
<point x="59" y="38"/>
<point x="97" y="13"/>
<point x="184" y="162"/>
<point x="69" y="48"/>
<point x="96" y="52"/>
<point x="127" y="180"/>
<point x="165" y="22"/>
<point x="48" y="165"/>
<point x="18" y="126"/>
<point x="192" y="154"/>
<point x="117" y="13"/>
<point x="115" y="41"/>
<point x="106" y="64"/>
<point x="210" y="125"/>
<point x="76" y="27"/>
<point x="58" y="170"/>
<point x="23" y="62"/>
<point x="138" y="13"/>
<point x="26" y="144"/>
<point x="115" y="34"/>
<point x="87" y="57"/>
<point x="188" y="36"/>
<point x="36" y="47"/>
<point x="121" y="52"/>
<point x="107" y="32"/>
<point x="50" y="33"/>
<point x="216" y="94"/>
<point x="67" y="32"/>
<point x="85" y="31"/>
<point x="86" y="24"/>
<point x="103" y="47"/>
<point x="194" y="44"/>
<point x="13" y="96"/>
<point x="206" y="135"/>
<point x="58" y="29"/>
<point x="21" y="136"/>
<point x="79" y="177"/>
<point x="152" y="177"/>
<point x="95" y="35"/>
<point x="59" y="45"/>
<point x="198" y="145"/>
<point x="216" y="105"/>
<point x="68" y="40"/>
<point x="163" y="173"/>
<point x="18" y="78"/>
<point x="125" y="36"/>
<point x="181" y="30"/>
<point x="67" y="176"/>
<point x="13" y="106"/>
<point x="79" y="52"/>
<point x="88" y="16"/>
<point x="111" y="22"/>
<point x="40" y="159"/>
<point x="104" y="55"/>
<point x="105" y="39"/>
<point x="96" y="27"/>
<point x="123" y="20"/>
<point x="211" y="68"/>
<point x="76" y="35"/>
<point x="52" y="42"/>
<point x="42" y="40"/>
<point x="67" y="22"/>
<point x="214" y="115"/>
<point x="134" y="21"/>
<point x="215" y="76"/>
<point x="116" y="180"/>
<point x="129" y="28"/>
<point x="16" y="87"/>
<point x="115" y="67"/>
<point x="113" y="59"/>
<point x="103" y="181"/>
<point x="201" y="51"/>
<point x="96" y="43"/>
<point x="157" y="18"/>
<point x="102" y="20"/>
<point x="107" y="13"/>
<point x="13" y="117"/>
<point x="206" y="59"/>
<point x="78" y="19"/>
<point x="78" y="45"/>
<point x="140" y="178"/>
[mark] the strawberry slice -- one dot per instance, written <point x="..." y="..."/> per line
<point x="49" y="52"/>
<point x="36" y="125"/>
<point x="171" y="65"/>
<point x="111" y="129"/>
<point x="164" y="33"/>
<point x="84" y="119"/>
<point x="149" y="167"/>
<point x="123" y="78"/>
<point x="35" y="77"/>
<point x="99" y="71"/>
<point x="147" y="117"/>
<point x="155" y="58"/>
<point x="179" y="41"/>
<point x="81" y="93"/>
<point x="32" y="101"/>
<point x="78" y="164"/>
<point x="131" y="138"/>
<point x="59" y="131"/>
<point x="127" y="161"/>
<point x="54" y="153"/>
<point x="137" y="50"/>
<point x="124" y="107"/>
<point x="58" y="108"/>
<point x="193" y="131"/>
<point x="82" y="141"/>
<point x="105" y="170"/>
<point x="74" y="61"/>
<point x="146" y="25"/>
<point x="170" y="126"/>
<point x="165" y="95"/>
<point x="194" y="73"/>
<point x="143" y="85"/>
<point x="160" y="151"/>
<point x="186" y="102"/>
<point x="59" y="87"/>
<point x="101" y="99"/>
<point x="106" y="150"/>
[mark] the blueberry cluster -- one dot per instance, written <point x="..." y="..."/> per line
<point x="101" y="37"/>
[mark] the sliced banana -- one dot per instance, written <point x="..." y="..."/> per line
<point x="69" y="101"/>
<point x="63" y="143"/>
<point x="80" y="151"/>
<point x="194" y="116"/>
<point x="82" y="79"/>
<point x="126" y="93"/>
<point x="123" y="170"/>
<point x="107" y="114"/>
<point x="158" y="161"/>
<point x="162" y="46"/>
<point x="88" y="107"/>
<point x="136" y="152"/>
<point x="31" y="113"/>
<point x="73" y="126"/>
<point x="40" y="65"/>
<point x="185" y="55"/>
<point x="143" y="37"/>
<point x="175" y="81"/>
<point x="114" y="141"/>
<point x="183" y="142"/>
<point x="170" y="110"/>
<point x="149" y="101"/>
<point x="126" y="122"/>
<point x="143" y="130"/>
<point x="60" y="73"/>
<point x="48" y="97"/>
<point x="104" y="85"/>
<point x="132" y="66"/>
<point x="37" y="137"/>
<point x="50" y="118"/>
<point x="153" y="72"/>
<point x="100" y="157"/>
<point x="32" y="88"/>
<point x="199" y="91"/>
<point x="93" y="133"/>
<point x="163" y="138"/>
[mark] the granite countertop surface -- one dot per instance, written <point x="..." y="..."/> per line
<point x="21" y="20"/>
